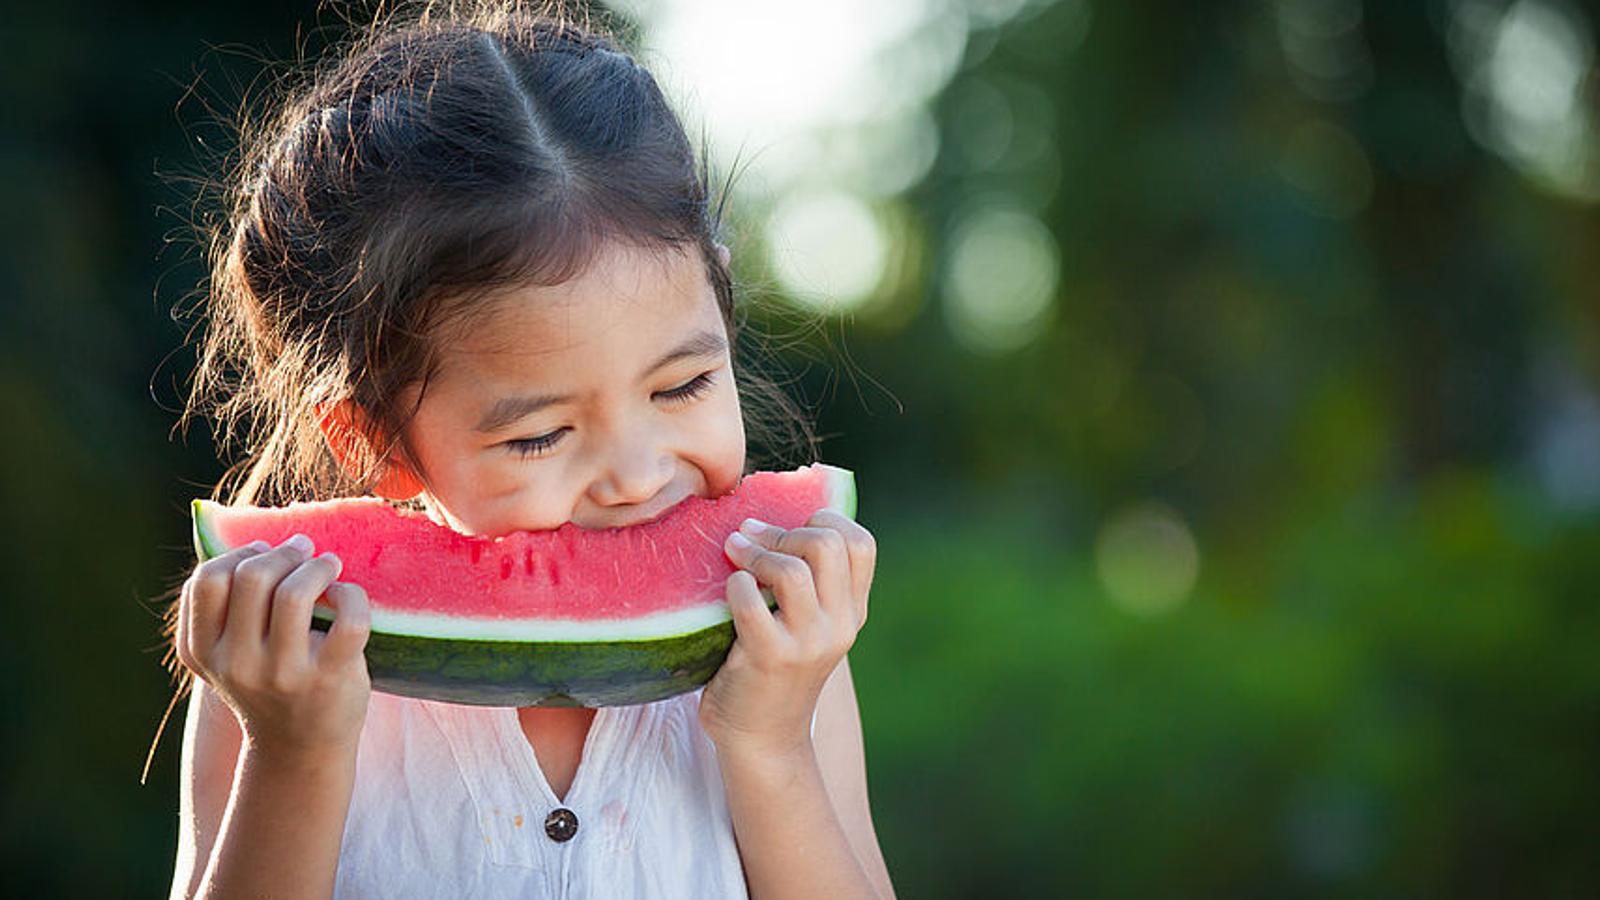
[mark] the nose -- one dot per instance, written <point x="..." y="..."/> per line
<point x="636" y="471"/>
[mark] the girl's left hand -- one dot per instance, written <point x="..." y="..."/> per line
<point x="763" y="697"/>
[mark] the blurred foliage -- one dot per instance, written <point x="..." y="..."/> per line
<point x="1401" y="702"/>
<point x="1350" y="354"/>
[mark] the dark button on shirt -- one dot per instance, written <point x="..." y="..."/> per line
<point x="561" y="825"/>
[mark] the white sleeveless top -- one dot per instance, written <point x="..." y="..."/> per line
<point x="450" y="801"/>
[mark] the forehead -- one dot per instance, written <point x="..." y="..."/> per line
<point x="626" y="306"/>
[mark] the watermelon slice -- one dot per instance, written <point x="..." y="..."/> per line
<point x="564" y="617"/>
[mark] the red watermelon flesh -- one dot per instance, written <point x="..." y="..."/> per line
<point x="566" y="584"/>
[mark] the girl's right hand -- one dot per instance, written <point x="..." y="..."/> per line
<point x="244" y="625"/>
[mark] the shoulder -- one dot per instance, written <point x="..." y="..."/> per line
<point x="841" y="755"/>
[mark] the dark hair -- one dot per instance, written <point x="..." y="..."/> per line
<point x="438" y="160"/>
<point x="434" y="160"/>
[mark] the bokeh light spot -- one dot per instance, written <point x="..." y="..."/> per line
<point x="981" y="123"/>
<point x="1146" y="558"/>
<point x="1328" y="169"/>
<point x="826" y="248"/>
<point x="1528" y="70"/>
<point x="1004" y="268"/>
<point x="769" y="81"/>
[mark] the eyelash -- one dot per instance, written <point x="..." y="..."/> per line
<point x="682" y="394"/>
<point x="691" y="389"/>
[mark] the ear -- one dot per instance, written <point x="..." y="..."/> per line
<point x="345" y="428"/>
<point x="724" y="253"/>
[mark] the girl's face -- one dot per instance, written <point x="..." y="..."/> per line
<point x="603" y="401"/>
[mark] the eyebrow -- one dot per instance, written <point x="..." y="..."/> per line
<point x="507" y="410"/>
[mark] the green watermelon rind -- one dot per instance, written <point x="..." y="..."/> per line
<point x="525" y="673"/>
<point x="542" y="673"/>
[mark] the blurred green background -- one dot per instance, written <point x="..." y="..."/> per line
<point x="1220" y="379"/>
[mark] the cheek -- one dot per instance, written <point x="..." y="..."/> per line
<point x="498" y="496"/>
<point x="470" y="478"/>
<point x="449" y="467"/>
<point x="503" y="481"/>
<point x="723" y="438"/>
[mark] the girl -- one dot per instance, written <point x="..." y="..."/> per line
<point x="472" y="268"/>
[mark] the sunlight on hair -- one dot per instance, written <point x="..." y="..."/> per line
<point x="827" y="248"/>
<point x="1146" y="558"/>
<point x="1003" y="269"/>
<point x="1528" y="75"/>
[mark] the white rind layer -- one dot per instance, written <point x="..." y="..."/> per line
<point x="657" y="626"/>
<point x="841" y="495"/>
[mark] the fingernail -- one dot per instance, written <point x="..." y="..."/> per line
<point x="752" y="526"/>
<point x="301" y="543"/>
<point x="338" y="564"/>
<point x="258" y="546"/>
<point x="739" y="541"/>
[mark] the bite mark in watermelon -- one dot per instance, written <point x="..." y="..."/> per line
<point x="564" y="617"/>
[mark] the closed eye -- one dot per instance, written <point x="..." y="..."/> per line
<point x="535" y="445"/>
<point x="688" y="391"/>
<point x="683" y="393"/>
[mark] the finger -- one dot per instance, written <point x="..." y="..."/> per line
<point x="825" y="553"/>
<point x="205" y="614"/>
<point x="289" y="620"/>
<point x="753" y="622"/>
<point x="862" y="548"/>
<point x="352" y="623"/>
<point x="180" y="630"/>
<point x="788" y="576"/>
<point x="254" y="581"/>
<point x="238" y="554"/>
